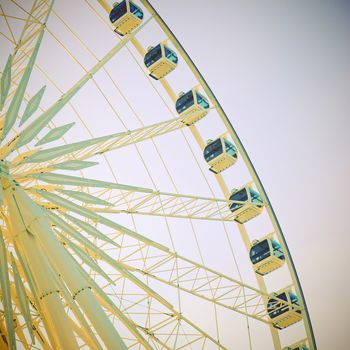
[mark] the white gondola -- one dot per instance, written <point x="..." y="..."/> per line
<point x="220" y="154"/>
<point x="247" y="204"/>
<point x="282" y="314"/>
<point x="125" y="16"/>
<point x="192" y="106"/>
<point x="266" y="256"/>
<point x="160" y="61"/>
<point x="297" y="346"/>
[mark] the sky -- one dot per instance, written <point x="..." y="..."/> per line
<point x="281" y="72"/>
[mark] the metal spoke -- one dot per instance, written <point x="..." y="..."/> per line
<point x="88" y="148"/>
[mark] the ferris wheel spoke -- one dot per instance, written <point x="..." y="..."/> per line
<point x="173" y="205"/>
<point x="157" y="203"/>
<point x="179" y="272"/>
<point x="154" y="316"/>
<point x="169" y="205"/>
<point x="83" y="150"/>
<point x="5" y="82"/>
<point x="158" y="262"/>
<point x="137" y="200"/>
<point x="32" y="105"/>
<point x="84" y="212"/>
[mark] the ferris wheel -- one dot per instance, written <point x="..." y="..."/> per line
<point x="131" y="214"/>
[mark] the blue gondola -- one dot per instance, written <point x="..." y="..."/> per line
<point x="266" y="256"/>
<point x="247" y="204"/>
<point x="192" y="106"/>
<point x="125" y="16"/>
<point x="160" y="61"/>
<point x="220" y="154"/>
<point x="281" y="313"/>
<point x="297" y="346"/>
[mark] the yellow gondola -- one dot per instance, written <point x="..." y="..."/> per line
<point x="281" y="314"/>
<point x="266" y="256"/>
<point x="297" y="346"/>
<point x="160" y="61"/>
<point x="125" y="16"/>
<point x="192" y="106"/>
<point x="220" y="154"/>
<point x="247" y="204"/>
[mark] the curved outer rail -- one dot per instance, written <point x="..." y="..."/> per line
<point x="252" y="171"/>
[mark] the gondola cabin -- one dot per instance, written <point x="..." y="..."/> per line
<point x="192" y="106"/>
<point x="220" y="154"/>
<point x="247" y="204"/>
<point x="297" y="346"/>
<point x="281" y="314"/>
<point x="266" y="256"/>
<point x="125" y="16"/>
<point x="160" y="61"/>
